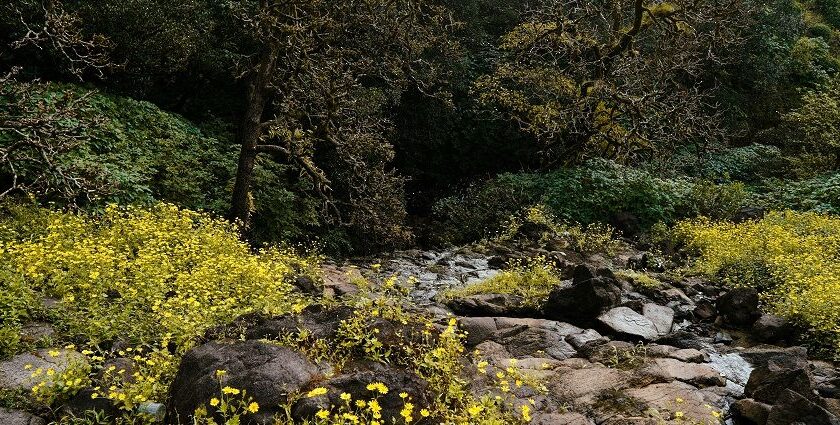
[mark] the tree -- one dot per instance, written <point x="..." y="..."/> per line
<point x="814" y="127"/>
<point x="614" y="78"/>
<point x="319" y="77"/>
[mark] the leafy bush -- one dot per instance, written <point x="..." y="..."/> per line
<point x="818" y="194"/>
<point x="792" y="257"/>
<point x="149" y="277"/>
<point x="830" y="10"/>
<point x="599" y="191"/>
<point x="532" y="281"/>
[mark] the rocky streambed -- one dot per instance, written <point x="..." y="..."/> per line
<point x="605" y="348"/>
<point x="611" y="352"/>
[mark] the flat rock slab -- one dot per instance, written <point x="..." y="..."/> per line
<point x="697" y="374"/>
<point x="16" y="373"/>
<point x="561" y="418"/>
<point x="669" y="398"/>
<point x="17" y="417"/>
<point x="580" y="387"/>
<point x="624" y="320"/>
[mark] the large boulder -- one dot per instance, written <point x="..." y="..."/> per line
<point x="267" y="372"/>
<point x="792" y="408"/>
<point x="590" y="294"/>
<point x="751" y="411"/>
<point x="739" y="306"/>
<point x="768" y="382"/>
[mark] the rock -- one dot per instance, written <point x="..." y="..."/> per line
<point x="497" y="262"/>
<point x="696" y="374"/>
<point x="705" y="310"/>
<point x="753" y="411"/>
<point x="581" y="386"/>
<point x="319" y="321"/>
<point x="792" y="408"/>
<point x="355" y="383"/>
<point x="590" y="294"/>
<point x="771" y="328"/>
<point x="734" y="368"/>
<point x="624" y="320"/>
<point x="589" y="336"/>
<point x="267" y="372"/>
<point x="760" y="355"/>
<point x="530" y="341"/>
<point x="661" y="316"/>
<point x="338" y="281"/>
<point x="739" y="306"/>
<point x="17" y="417"/>
<point x="16" y="372"/>
<point x="723" y="337"/>
<point x="488" y="305"/>
<point x="82" y="402"/>
<point x="663" y="397"/>
<point x="35" y="332"/>
<point x="689" y="355"/>
<point x="478" y="329"/>
<point x="769" y="382"/>
<point x="560" y="418"/>
<point x="492" y="351"/>
<point x="308" y="286"/>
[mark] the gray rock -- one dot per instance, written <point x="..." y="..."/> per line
<point x="589" y="336"/>
<point x="753" y="411"/>
<point x="16" y="372"/>
<point x="661" y="316"/>
<point x="17" y="417"/>
<point x="771" y="328"/>
<point x="267" y="372"/>
<point x="624" y="320"/>
<point x="700" y="375"/>
<point x="533" y="341"/>
<point x="590" y="294"/>
<point x="739" y="306"/>
<point x="792" y="408"/>
<point x="767" y="383"/>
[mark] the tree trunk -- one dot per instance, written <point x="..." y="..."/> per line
<point x="250" y="132"/>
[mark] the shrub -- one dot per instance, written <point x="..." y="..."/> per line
<point x="599" y="191"/>
<point x="153" y="278"/>
<point x="532" y="281"/>
<point x="793" y="257"/>
<point x="818" y="194"/>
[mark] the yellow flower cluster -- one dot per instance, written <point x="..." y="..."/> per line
<point x="135" y="273"/>
<point x="792" y="257"/>
<point x="148" y="277"/>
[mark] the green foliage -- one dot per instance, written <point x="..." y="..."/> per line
<point x="815" y="125"/>
<point x="532" y="281"/>
<point x="599" y="191"/>
<point x="830" y="10"/>
<point x="819" y="194"/>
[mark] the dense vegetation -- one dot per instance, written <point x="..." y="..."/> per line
<point x="167" y="166"/>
